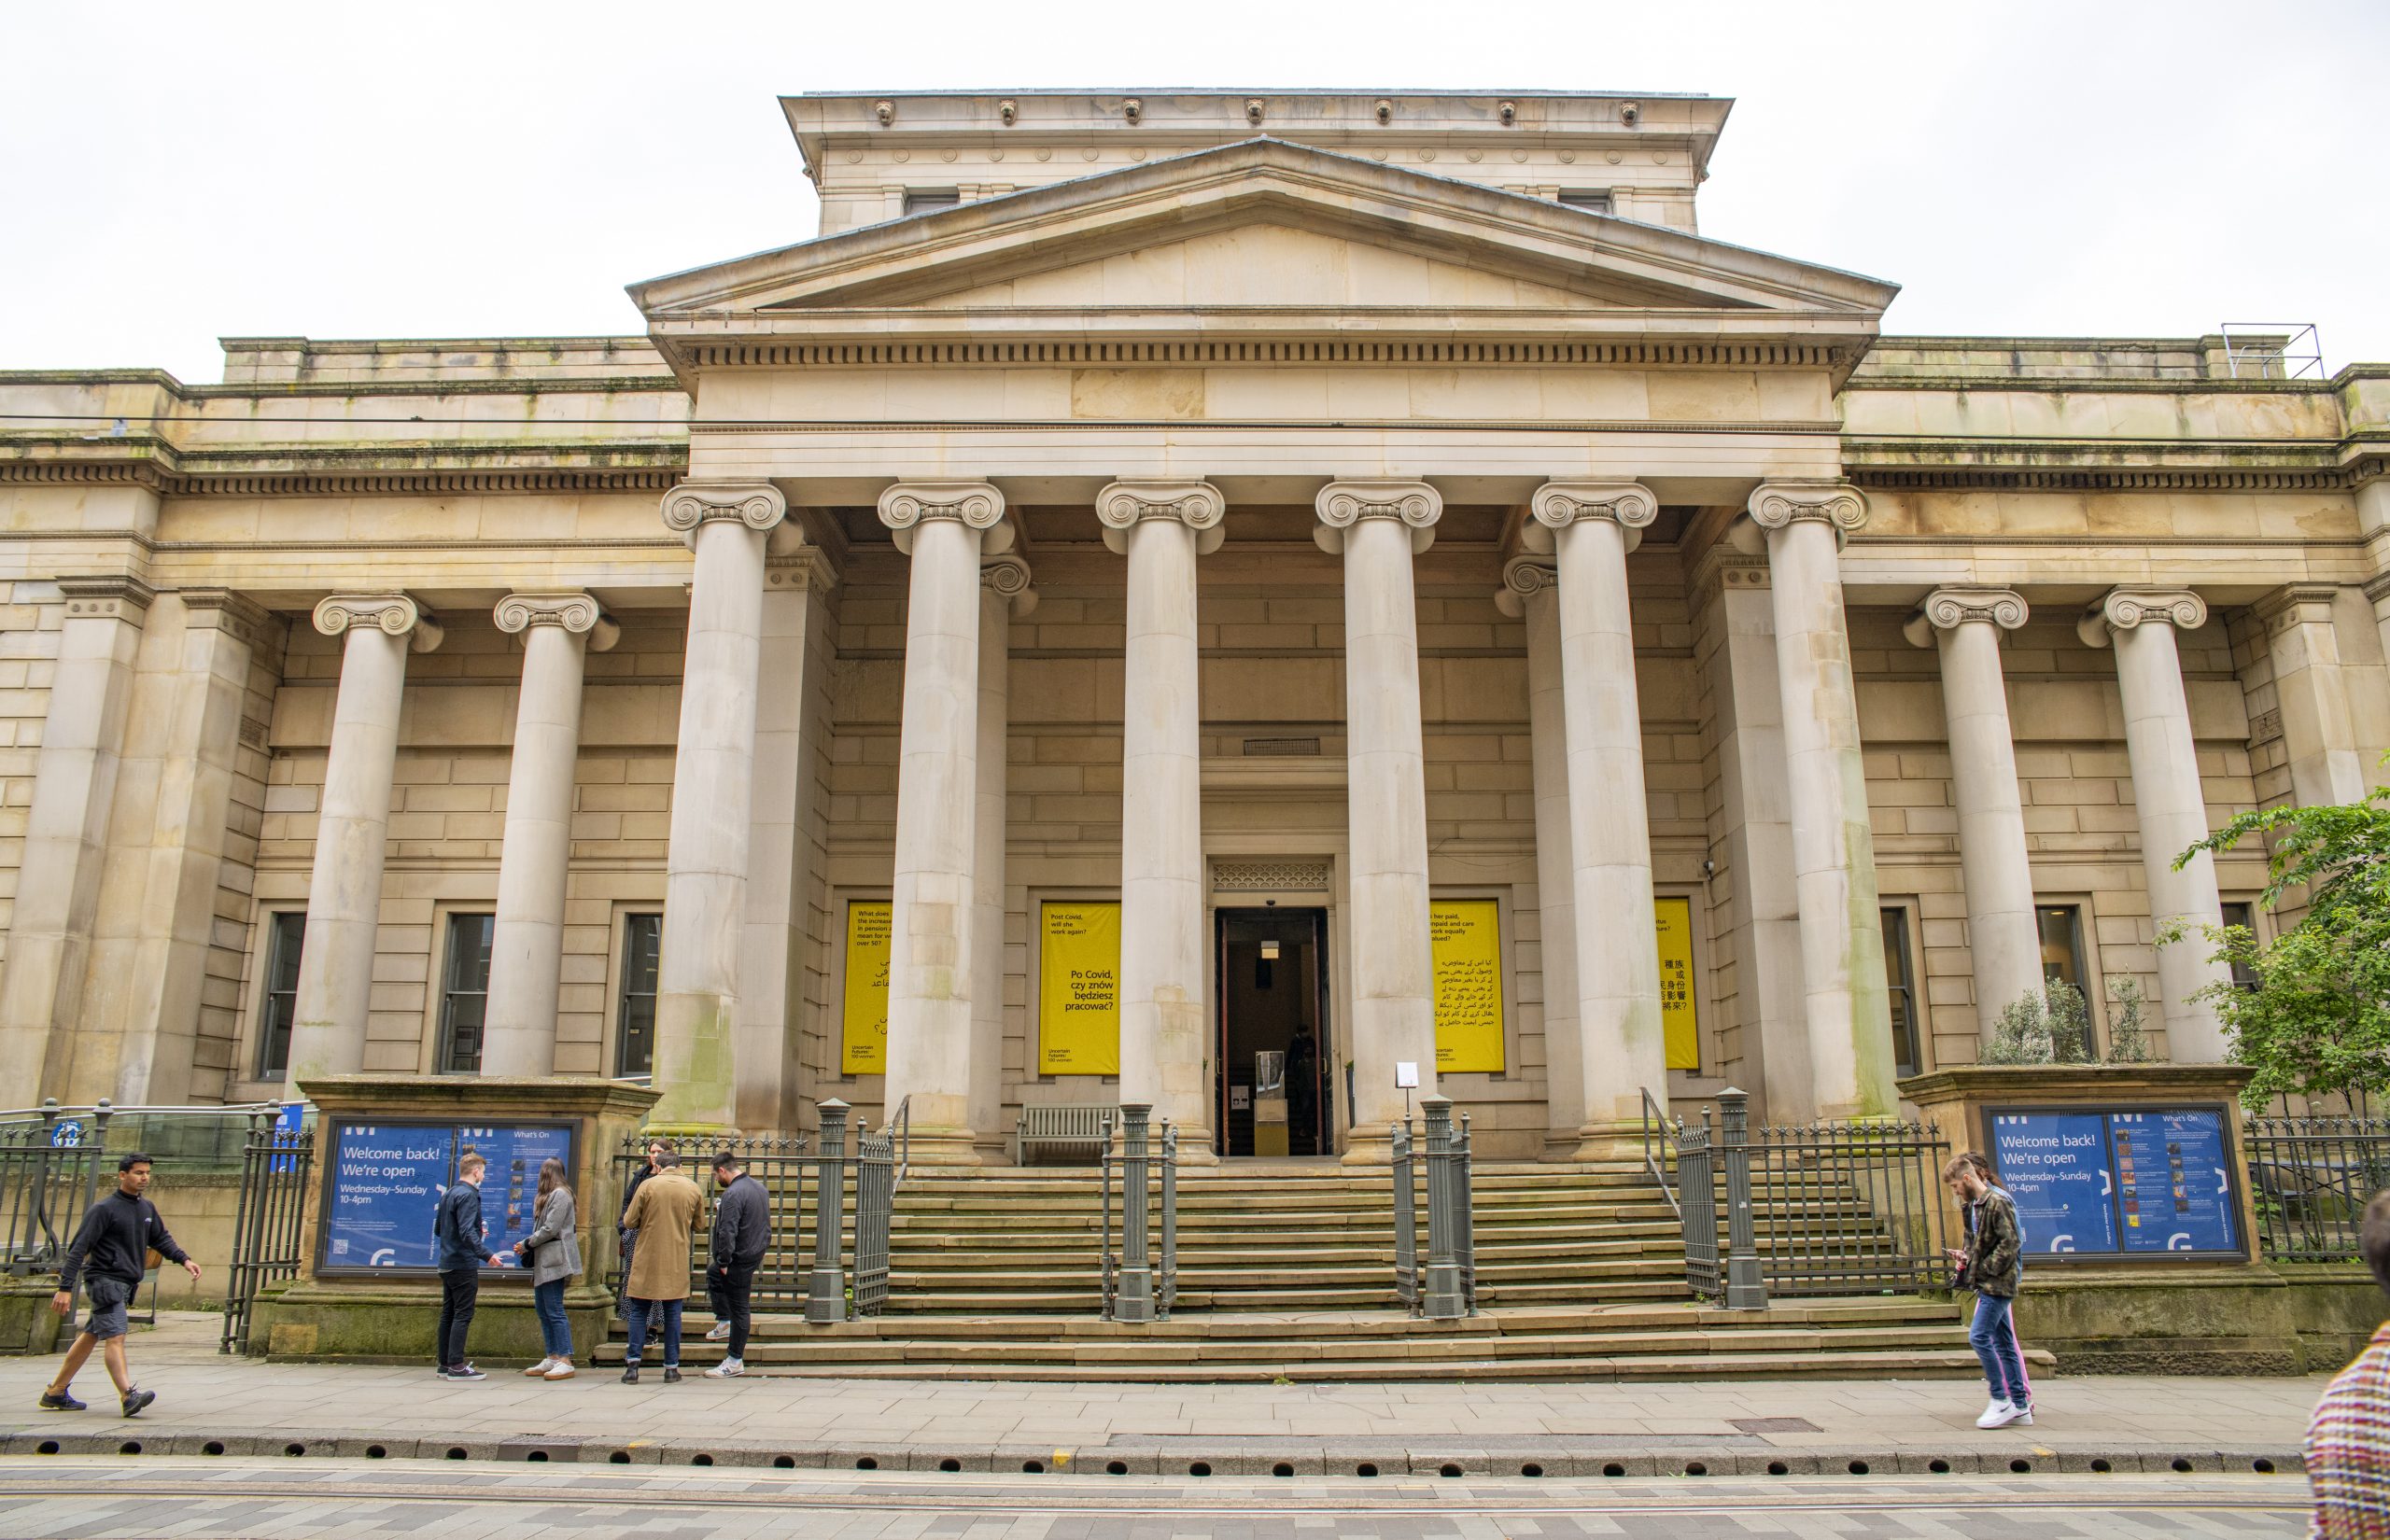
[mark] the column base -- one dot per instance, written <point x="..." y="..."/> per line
<point x="1192" y="1152"/>
<point x="942" y="1147"/>
<point x="1609" y="1142"/>
<point x="1373" y="1145"/>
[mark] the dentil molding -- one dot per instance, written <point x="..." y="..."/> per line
<point x="394" y="613"/>
<point x="1948" y="609"/>
<point x="578" y="614"/>
<point x="1198" y="505"/>
<point x="1340" y="505"/>
<point x="2122" y="608"/>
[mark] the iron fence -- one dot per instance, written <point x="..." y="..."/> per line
<point x="1139" y="1285"/>
<point x="877" y="1169"/>
<point x="49" y="1173"/>
<point x="1406" y="1220"/>
<point x="269" y="1223"/>
<point x="1697" y="1207"/>
<point x="1849" y="1207"/>
<point x="779" y="1163"/>
<point x="1444" y="1287"/>
<point x="2312" y="1177"/>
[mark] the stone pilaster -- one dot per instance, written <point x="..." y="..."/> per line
<point x="1378" y="526"/>
<point x="1161" y="526"/>
<point x="344" y="891"/>
<point x="2002" y="939"/>
<point x="1624" y="1051"/>
<point x="59" y="876"/>
<point x="705" y="885"/>
<point x="527" y="953"/>
<point x="1005" y="592"/>
<point x="1833" y="849"/>
<point x="942" y="527"/>
<point x="2327" y="764"/>
<point x="2168" y="798"/>
<point x="1530" y="591"/>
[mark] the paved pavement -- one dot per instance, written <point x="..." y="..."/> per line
<point x="271" y="1499"/>
<point x="245" y="1406"/>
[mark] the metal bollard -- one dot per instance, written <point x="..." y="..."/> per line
<point x="1137" y="1298"/>
<point x="825" y="1301"/>
<point x="1746" y="1289"/>
<point x="1440" y="1291"/>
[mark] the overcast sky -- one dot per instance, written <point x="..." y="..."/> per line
<point x="176" y="172"/>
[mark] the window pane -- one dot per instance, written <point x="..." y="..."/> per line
<point x="635" y="1036"/>
<point x="464" y="1003"/>
<point x="284" y="935"/>
<point x="1903" y="990"/>
<point x="2062" y="927"/>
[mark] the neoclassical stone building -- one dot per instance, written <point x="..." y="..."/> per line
<point x="1160" y="582"/>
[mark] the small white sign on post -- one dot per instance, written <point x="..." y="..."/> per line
<point x="1406" y="1074"/>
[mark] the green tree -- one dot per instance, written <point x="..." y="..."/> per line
<point x="2317" y="1019"/>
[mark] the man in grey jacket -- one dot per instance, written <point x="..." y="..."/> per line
<point x="742" y="1233"/>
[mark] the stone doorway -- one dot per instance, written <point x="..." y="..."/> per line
<point x="1271" y="995"/>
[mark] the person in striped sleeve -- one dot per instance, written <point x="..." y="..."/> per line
<point x="2348" y="1441"/>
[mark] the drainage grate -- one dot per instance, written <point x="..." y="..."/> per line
<point x="1773" y="1424"/>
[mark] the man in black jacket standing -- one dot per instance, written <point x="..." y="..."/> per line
<point x="742" y="1232"/>
<point x="464" y="1248"/>
<point x="109" y="1254"/>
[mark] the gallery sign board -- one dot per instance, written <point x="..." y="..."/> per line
<point x="384" y="1178"/>
<point x="2095" y="1184"/>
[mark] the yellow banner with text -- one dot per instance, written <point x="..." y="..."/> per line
<point x="863" y="1039"/>
<point x="1466" y="935"/>
<point x="1079" y="988"/>
<point x="1677" y="1025"/>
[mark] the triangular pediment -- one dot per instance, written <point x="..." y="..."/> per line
<point x="1255" y="226"/>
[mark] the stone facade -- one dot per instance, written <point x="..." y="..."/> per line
<point x="1206" y="503"/>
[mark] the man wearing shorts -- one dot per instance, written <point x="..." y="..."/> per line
<point x="109" y="1255"/>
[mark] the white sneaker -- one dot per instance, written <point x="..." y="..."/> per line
<point x="561" y="1370"/>
<point x="720" y="1332"/>
<point x="729" y="1369"/>
<point x="1998" y="1414"/>
<point x="539" y="1369"/>
<point x="2024" y="1417"/>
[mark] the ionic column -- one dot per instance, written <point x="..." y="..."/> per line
<point x="705" y="880"/>
<point x="2169" y="800"/>
<point x="1379" y="527"/>
<point x="1005" y="592"/>
<point x="345" y="891"/>
<point x="1529" y="591"/>
<point x="2003" y="938"/>
<point x="527" y="955"/>
<point x="940" y="525"/>
<point x="1834" y="846"/>
<point x="1624" y="1049"/>
<point x="1164" y="527"/>
<point x="67" y="829"/>
<point x="2310" y="691"/>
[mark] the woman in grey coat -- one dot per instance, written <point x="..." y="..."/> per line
<point x="553" y="1253"/>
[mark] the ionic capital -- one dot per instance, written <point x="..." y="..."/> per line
<point x="1523" y="578"/>
<point x="693" y="504"/>
<point x="906" y="506"/>
<point x="1948" y="609"/>
<point x="1198" y="505"/>
<point x="1340" y="505"/>
<point x="2123" y="608"/>
<point x="577" y="613"/>
<point x="1008" y="576"/>
<point x="1630" y="505"/>
<point x="1838" y="505"/>
<point x="393" y="613"/>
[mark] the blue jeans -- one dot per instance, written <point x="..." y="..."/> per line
<point x="1993" y="1337"/>
<point x="669" y="1309"/>
<point x="555" y="1332"/>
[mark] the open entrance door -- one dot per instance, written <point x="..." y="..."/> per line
<point x="1273" y="1083"/>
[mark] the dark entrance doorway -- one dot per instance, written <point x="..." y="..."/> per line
<point x="1272" y="993"/>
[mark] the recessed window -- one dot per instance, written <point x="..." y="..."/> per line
<point x="2243" y="914"/>
<point x="285" y="934"/>
<point x="1899" y="975"/>
<point x="929" y="200"/>
<point x="464" y="993"/>
<point x="635" y="1006"/>
<point x="1591" y="202"/>
<point x="2062" y="927"/>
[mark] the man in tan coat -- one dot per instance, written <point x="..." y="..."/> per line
<point x="662" y="1214"/>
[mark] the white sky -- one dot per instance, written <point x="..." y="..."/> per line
<point x="176" y="172"/>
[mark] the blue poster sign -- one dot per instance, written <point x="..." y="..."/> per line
<point x="2091" y="1183"/>
<point x="2055" y="1165"/>
<point x="384" y="1182"/>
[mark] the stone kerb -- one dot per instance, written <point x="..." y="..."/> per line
<point x="372" y="1318"/>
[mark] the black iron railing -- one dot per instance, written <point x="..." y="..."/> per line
<point x="49" y="1173"/>
<point x="1850" y="1207"/>
<point x="1138" y="1284"/>
<point x="1708" y="1185"/>
<point x="781" y="1165"/>
<point x="2312" y="1177"/>
<point x="269" y="1223"/>
<point x="1444" y="1286"/>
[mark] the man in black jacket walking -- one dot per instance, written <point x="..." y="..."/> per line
<point x="464" y="1248"/>
<point x="742" y="1232"/>
<point x="109" y="1254"/>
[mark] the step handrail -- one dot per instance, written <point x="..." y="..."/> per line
<point x="1659" y="1138"/>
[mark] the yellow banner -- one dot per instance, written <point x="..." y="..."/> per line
<point x="863" y="1049"/>
<point x="1682" y="1032"/>
<point x="1467" y="939"/>
<point x="1079" y="996"/>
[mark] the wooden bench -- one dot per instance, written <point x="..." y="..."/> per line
<point x="1079" y="1127"/>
